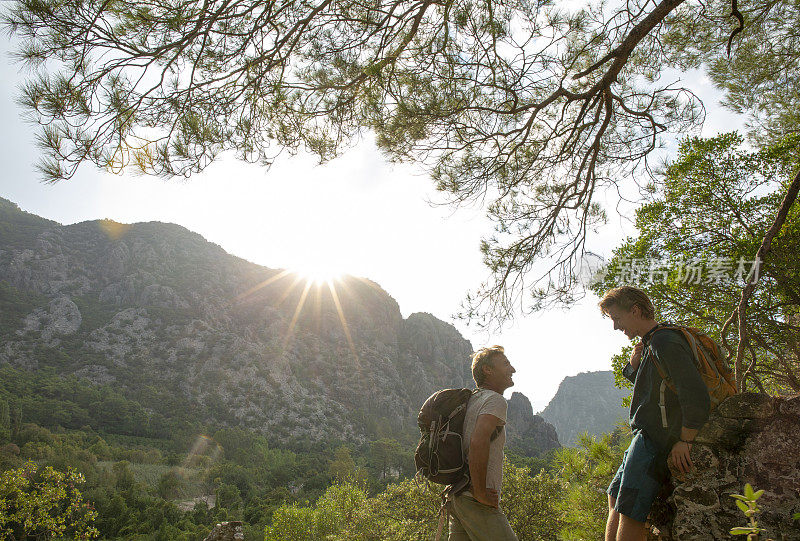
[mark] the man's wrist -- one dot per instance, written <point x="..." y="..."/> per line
<point x="481" y="495"/>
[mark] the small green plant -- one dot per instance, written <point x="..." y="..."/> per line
<point x="747" y="503"/>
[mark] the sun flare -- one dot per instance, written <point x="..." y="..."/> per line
<point x="319" y="273"/>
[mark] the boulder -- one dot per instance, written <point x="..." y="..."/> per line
<point x="227" y="531"/>
<point x="722" y="431"/>
<point x="747" y="406"/>
<point x="790" y="407"/>
<point x="751" y="438"/>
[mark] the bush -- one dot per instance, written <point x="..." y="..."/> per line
<point x="43" y="503"/>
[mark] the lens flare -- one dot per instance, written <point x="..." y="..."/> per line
<point x="114" y="230"/>
<point x="203" y="446"/>
<point x="313" y="282"/>
<point x="320" y="275"/>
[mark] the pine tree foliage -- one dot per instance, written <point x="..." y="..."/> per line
<point x="759" y="76"/>
<point x="525" y="106"/>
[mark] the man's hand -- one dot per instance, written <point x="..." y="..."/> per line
<point x="488" y="497"/>
<point x="681" y="457"/>
<point x="636" y="356"/>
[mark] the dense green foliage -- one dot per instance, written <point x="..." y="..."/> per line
<point x="143" y="478"/>
<point x="21" y="228"/>
<point x="42" y="503"/>
<point x="15" y="304"/>
<point x="564" y="500"/>
<point x="177" y="487"/>
<point x="698" y="233"/>
<point x="49" y="399"/>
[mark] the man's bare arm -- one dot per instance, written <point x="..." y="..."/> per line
<point x="479" y="458"/>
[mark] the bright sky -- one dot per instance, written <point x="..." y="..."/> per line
<point x="357" y="214"/>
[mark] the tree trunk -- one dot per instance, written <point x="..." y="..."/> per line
<point x="763" y="250"/>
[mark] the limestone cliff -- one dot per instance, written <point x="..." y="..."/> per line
<point x="168" y="317"/>
<point x="184" y="328"/>
<point x="528" y="434"/>
<point x="588" y="402"/>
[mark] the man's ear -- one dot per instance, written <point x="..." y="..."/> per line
<point x="636" y="310"/>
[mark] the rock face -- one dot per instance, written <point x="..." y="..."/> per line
<point x="167" y="317"/>
<point x="588" y="402"/>
<point x="61" y="317"/>
<point x="184" y="328"/>
<point x="528" y="434"/>
<point x="227" y="531"/>
<point x="751" y="438"/>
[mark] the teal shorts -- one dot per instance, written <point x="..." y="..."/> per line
<point x="639" y="478"/>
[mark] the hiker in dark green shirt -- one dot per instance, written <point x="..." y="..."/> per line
<point x="660" y="431"/>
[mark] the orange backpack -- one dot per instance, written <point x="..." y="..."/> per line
<point x="710" y="363"/>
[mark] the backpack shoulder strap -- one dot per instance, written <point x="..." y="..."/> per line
<point x="662" y="388"/>
<point x="666" y="382"/>
<point x="661" y="372"/>
<point x="689" y="337"/>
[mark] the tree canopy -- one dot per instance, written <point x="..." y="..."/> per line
<point x="759" y="77"/>
<point x="529" y="107"/>
<point x="698" y="232"/>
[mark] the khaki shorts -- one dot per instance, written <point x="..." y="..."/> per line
<point x="470" y="520"/>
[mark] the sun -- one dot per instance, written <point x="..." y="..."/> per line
<point x="319" y="273"/>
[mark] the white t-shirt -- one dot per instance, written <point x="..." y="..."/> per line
<point x="486" y="401"/>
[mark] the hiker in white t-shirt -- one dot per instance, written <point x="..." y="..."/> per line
<point x="475" y="514"/>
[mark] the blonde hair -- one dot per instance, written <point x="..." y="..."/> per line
<point x="483" y="357"/>
<point x="626" y="297"/>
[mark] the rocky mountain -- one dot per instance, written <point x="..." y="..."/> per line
<point x="588" y="402"/>
<point x="184" y="328"/>
<point x="528" y="434"/>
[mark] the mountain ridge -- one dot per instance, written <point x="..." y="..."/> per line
<point x="586" y="402"/>
<point x="164" y="315"/>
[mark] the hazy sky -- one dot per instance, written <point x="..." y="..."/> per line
<point x="357" y="214"/>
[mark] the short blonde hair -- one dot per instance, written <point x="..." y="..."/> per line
<point x="483" y="357"/>
<point x="626" y="297"/>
